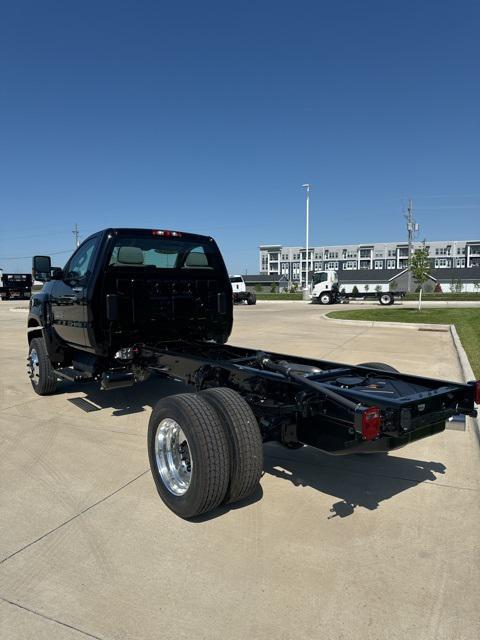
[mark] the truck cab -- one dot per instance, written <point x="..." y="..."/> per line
<point x="123" y="286"/>
<point x="239" y="291"/>
<point x="324" y="287"/>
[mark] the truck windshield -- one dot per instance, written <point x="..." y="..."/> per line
<point x="236" y="279"/>
<point x="163" y="253"/>
<point x="320" y="277"/>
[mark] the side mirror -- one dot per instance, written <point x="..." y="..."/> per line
<point x="41" y="268"/>
<point x="57" y="273"/>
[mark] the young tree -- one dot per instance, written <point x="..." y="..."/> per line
<point x="378" y="288"/>
<point x="456" y="285"/>
<point x="420" y="267"/>
<point x="393" y="285"/>
<point x="476" y="286"/>
<point x="366" y="287"/>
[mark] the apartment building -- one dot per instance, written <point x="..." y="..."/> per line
<point x="457" y="260"/>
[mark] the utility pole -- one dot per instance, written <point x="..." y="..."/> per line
<point x="76" y="235"/>
<point x="412" y="227"/>
<point x="307" y="224"/>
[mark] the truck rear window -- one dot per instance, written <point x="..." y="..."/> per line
<point x="163" y="253"/>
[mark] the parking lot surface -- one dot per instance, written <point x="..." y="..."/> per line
<point x="344" y="548"/>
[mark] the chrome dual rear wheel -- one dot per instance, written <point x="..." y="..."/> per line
<point x="204" y="449"/>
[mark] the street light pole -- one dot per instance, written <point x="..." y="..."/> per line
<point x="307" y="223"/>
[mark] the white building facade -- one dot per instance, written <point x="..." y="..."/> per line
<point x="450" y="260"/>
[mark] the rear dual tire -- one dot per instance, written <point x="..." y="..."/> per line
<point x="386" y="299"/>
<point x="204" y="450"/>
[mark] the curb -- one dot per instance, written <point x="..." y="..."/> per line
<point x="467" y="370"/>
<point x="378" y="323"/>
<point x="282" y="302"/>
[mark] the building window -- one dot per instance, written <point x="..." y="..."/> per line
<point x="378" y="264"/>
<point x="442" y="263"/>
<point x="332" y="265"/>
<point x="390" y="264"/>
<point x="460" y="262"/>
<point x="350" y="265"/>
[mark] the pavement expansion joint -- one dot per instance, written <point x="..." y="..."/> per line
<point x="95" y="504"/>
<point x="49" y="618"/>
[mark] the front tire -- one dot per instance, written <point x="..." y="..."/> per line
<point x="40" y="370"/>
<point x="188" y="454"/>
<point x="251" y="299"/>
<point x="325" y="298"/>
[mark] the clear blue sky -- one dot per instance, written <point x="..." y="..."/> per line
<point x="208" y="116"/>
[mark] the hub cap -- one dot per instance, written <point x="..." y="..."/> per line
<point x="34" y="367"/>
<point x="173" y="457"/>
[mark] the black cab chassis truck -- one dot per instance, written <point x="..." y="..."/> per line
<point x="135" y="302"/>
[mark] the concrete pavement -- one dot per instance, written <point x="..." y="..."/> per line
<point x="347" y="548"/>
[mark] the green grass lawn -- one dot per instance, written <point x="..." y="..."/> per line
<point x="445" y="296"/>
<point x="279" y="296"/>
<point x="466" y="321"/>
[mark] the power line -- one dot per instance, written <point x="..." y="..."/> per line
<point x="51" y="253"/>
<point x="462" y="206"/>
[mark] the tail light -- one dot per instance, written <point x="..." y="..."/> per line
<point x="371" y="423"/>
<point x="477" y="392"/>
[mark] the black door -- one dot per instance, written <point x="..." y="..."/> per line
<point x="68" y="296"/>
